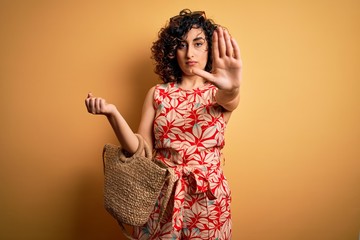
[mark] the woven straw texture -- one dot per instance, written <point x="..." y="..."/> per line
<point x="132" y="185"/>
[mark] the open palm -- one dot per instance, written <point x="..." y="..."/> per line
<point x="227" y="64"/>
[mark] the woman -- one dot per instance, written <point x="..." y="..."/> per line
<point x="184" y="120"/>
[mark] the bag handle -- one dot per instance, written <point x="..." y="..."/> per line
<point x="143" y="145"/>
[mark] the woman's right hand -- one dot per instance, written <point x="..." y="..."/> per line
<point x="97" y="105"/>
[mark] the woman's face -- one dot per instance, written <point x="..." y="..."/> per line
<point x="192" y="52"/>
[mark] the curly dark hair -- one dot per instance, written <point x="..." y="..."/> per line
<point x="164" y="49"/>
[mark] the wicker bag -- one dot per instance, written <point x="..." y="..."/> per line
<point x="133" y="184"/>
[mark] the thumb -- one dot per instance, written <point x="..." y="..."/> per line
<point x="90" y="95"/>
<point x="204" y="74"/>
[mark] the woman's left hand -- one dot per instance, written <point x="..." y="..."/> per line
<point x="227" y="64"/>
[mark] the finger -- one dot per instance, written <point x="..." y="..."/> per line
<point x="237" y="54"/>
<point x="98" y="105"/>
<point x="92" y="105"/>
<point x="215" y="47"/>
<point x="204" y="74"/>
<point x="87" y="104"/>
<point x="221" y="42"/>
<point x="103" y="105"/>
<point x="87" y="101"/>
<point x="228" y="44"/>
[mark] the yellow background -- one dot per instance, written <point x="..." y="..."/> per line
<point x="292" y="153"/>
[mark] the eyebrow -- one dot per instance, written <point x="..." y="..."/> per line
<point x="198" y="38"/>
<point x="195" y="39"/>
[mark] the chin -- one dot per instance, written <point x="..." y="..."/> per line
<point x="188" y="73"/>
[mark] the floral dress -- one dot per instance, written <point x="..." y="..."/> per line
<point x="189" y="135"/>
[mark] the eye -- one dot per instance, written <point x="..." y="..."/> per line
<point x="182" y="45"/>
<point x="199" y="44"/>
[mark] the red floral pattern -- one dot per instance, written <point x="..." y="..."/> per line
<point x="189" y="135"/>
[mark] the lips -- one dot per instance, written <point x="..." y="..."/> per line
<point x="191" y="63"/>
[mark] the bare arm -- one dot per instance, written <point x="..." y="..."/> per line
<point x="147" y="118"/>
<point x="227" y="68"/>
<point x="122" y="130"/>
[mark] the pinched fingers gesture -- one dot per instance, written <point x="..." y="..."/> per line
<point x="227" y="63"/>
<point x="97" y="105"/>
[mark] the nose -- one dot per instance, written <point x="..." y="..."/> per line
<point x="190" y="51"/>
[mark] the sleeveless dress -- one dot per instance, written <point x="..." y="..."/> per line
<point x="189" y="135"/>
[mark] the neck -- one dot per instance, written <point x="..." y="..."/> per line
<point x="191" y="82"/>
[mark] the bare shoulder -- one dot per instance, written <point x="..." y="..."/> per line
<point x="150" y="94"/>
<point x="147" y="117"/>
